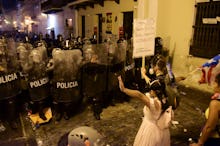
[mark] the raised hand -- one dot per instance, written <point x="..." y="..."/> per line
<point x="143" y="71"/>
<point x="121" y="84"/>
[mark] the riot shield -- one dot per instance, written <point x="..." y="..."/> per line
<point x="23" y="54"/>
<point x="38" y="80"/>
<point x="42" y="48"/>
<point x="66" y="75"/>
<point x="95" y="78"/>
<point x="23" y="51"/>
<point x="3" y="57"/>
<point x="129" y="66"/>
<point x="94" y="71"/>
<point x="117" y="56"/>
<point x="9" y="77"/>
<point x="88" y="51"/>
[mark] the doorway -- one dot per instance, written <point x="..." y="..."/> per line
<point x="100" y="28"/>
<point x="83" y="26"/>
<point x="128" y="24"/>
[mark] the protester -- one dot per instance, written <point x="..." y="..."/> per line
<point x="161" y="70"/>
<point x="158" y="69"/>
<point x="210" y="132"/>
<point x="154" y="130"/>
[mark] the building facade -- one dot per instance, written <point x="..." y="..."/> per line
<point x="87" y="18"/>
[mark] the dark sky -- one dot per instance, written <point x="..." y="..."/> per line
<point x="9" y="4"/>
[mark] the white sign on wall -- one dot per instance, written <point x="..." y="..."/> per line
<point x="209" y="20"/>
<point x="144" y="35"/>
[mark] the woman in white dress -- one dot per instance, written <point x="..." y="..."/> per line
<point x="154" y="130"/>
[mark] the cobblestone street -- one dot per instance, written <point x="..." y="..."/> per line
<point x="119" y="124"/>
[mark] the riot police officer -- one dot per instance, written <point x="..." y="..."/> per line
<point x="38" y="81"/>
<point x="66" y="86"/>
<point x="9" y="81"/>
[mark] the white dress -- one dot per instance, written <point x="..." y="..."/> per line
<point x="154" y="129"/>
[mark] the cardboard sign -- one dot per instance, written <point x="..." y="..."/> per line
<point x="144" y="35"/>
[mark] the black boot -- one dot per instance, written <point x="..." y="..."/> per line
<point x="42" y="115"/>
<point x="41" y="108"/>
<point x="67" y="110"/>
<point x="12" y="113"/>
<point x="97" y="108"/>
<point x="58" y="111"/>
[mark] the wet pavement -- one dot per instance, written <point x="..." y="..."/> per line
<point x="119" y="124"/>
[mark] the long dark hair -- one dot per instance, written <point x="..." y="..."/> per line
<point x="160" y="61"/>
<point x="156" y="86"/>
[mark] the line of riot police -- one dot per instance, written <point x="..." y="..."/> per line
<point x="74" y="72"/>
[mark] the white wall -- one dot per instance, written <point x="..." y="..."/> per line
<point x="68" y="14"/>
<point x="58" y="21"/>
<point x="175" y="20"/>
<point x="42" y="23"/>
<point x="109" y="7"/>
<point x="174" y="25"/>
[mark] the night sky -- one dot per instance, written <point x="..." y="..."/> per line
<point x="9" y="4"/>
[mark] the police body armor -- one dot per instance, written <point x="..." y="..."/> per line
<point x="9" y="67"/>
<point x="66" y="76"/>
<point x="38" y="80"/>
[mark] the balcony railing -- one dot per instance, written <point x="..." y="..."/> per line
<point x="53" y="6"/>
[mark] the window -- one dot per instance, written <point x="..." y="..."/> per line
<point x="206" y="37"/>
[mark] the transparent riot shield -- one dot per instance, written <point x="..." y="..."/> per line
<point x="38" y="80"/>
<point x="23" y="51"/>
<point x="9" y="67"/>
<point x="129" y="66"/>
<point x="66" y="76"/>
<point x="3" y="57"/>
<point x="23" y="54"/>
<point x="116" y="55"/>
<point x="119" y="61"/>
<point x="95" y="71"/>
<point x="42" y="48"/>
<point x="88" y="51"/>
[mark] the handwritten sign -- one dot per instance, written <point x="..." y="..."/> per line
<point x="144" y="35"/>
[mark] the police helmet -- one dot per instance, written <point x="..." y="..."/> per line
<point x="78" y="136"/>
